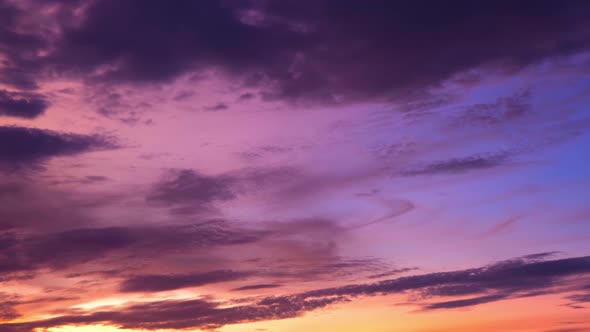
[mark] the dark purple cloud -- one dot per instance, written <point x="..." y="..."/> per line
<point x="74" y="247"/>
<point x="20" y="64"/>
<point x="22" y="105"/>
<point x="77" y="246"/>
<point x="540" y="256"/>
<point x="257" y="286"/>
<point x="20" y="253"/>
<point x="25" y="146"/>
<point x="161" y="282"/>
<point x="320" y="51"/>
<point x="155" y="42"/>
<point x="187" y="191"/>
<point x="217" y="107"/>
<point x="379" y="48"/>
<point x="465" y="302"/>
<point x="88" y="179"/>
<point x="453" y="290"/>
<point x="518" y="276"/>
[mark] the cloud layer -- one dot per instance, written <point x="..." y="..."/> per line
<point x="324" y="51"/>
<point x="527" y="276"/>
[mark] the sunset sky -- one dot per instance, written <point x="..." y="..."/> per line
<point x="294" y="165"/>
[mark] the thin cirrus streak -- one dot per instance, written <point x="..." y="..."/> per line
<point x="294" y="166"/>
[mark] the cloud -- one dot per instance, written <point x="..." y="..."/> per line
<point x="256" y="286"/>
<point x="329" y="51"/>
<point x="246" y="96"/>
<point x="7" y="307"/>
<point x="390" y="273"/>
<point x="7" y="311"/>
<point x="158" y="282"/>
<point x="580" y="298"/>
<point x="541" y="256"/>
<point x="188" y="191"/>
<point x="31" y="203"/>
<point x="21" y="252"/>
<point x="465" y="302"/>
<point x="48" y="217"/>
<point x="325" y="50"/>
<point x="21" y="146"/>
<point x="503" y="110"/>
<point x="515" y="277"/>
<point x="217" y="107"/>
<point x="495" y="282"/>
<point x="460" y="165"/>
<point x="18" y="49"/>
<point x="181" y="315"/>
<point x="88" y="179"/>
<point x="207" y="33"/>
<point x="22" y="105"/>
<point x="9" y="303"/>
<point x="75" y="247"/>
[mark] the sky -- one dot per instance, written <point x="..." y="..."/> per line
<point x="282" y="166"/>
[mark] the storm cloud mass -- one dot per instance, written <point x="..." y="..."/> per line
<point x="325" y="51"/>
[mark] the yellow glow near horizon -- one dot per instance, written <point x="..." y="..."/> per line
<point x="120" y="300"/>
